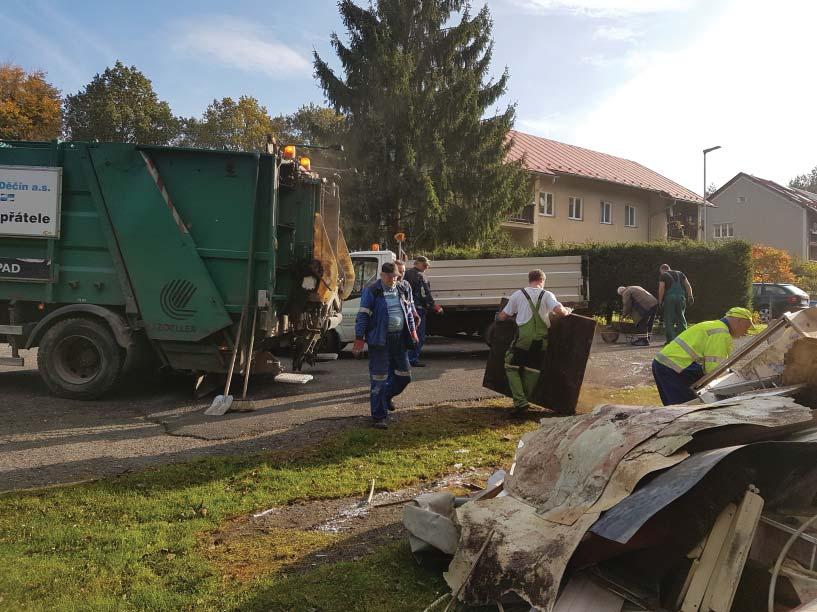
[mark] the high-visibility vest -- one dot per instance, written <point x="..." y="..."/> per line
<point x="707" y="343"/>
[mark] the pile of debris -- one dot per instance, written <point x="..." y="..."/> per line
<point x="697" y="508"/>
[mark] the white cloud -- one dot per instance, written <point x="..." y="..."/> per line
<point x="604" y="8"/>
<point x="615" y="33"/>
<point x="632" y="60"/>
<point x="239" y="44"/>
<point x="743" y="84"/>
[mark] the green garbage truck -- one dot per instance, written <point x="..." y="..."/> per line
<point x="210" y="261"/>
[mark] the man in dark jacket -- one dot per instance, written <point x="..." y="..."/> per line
<point x="641" y="305"/>
<point x="674" y="295"/>
<point x="385" y="321"/>
<point x="424" y="301"/>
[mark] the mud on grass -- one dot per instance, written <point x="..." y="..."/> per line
<point x="300" y="536"/>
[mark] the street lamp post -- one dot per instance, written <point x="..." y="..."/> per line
<point x="704" y="224"/>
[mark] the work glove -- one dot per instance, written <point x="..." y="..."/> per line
<point x="357" y="348"/>
<point x="415" y="337"/>
<point x="437" y="309"/>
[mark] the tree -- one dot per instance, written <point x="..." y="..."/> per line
<point x="119" y="105"/>
<point x="432" y="161"/>
<point x="711" y="189"/>
<point x="236" y="126"/>
<point x="29" y="105"/>
<point x="315" y="125"/>
<point x="805" y="273"/>
<point x="771" y="265"/>
<point x="808" y="181"/>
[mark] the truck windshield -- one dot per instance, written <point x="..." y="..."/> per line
<point x="365" y="274"/>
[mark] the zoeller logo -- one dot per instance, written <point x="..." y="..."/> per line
<point x="174" y="298"/>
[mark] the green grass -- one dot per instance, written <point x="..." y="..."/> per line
<point x="135" y="542"/>
<point x="141" y="541"/>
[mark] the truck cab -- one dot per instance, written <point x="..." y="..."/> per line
<point x="367" y="270"/>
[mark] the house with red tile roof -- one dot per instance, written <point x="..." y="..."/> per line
<point x="764" y="212"/>
<point x="581" y="195"/>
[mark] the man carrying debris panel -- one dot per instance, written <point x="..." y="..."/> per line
<point x="424" y="302"/>
<point x="531" y="308"/>
<point x="696" y="352"/>
<point x="674" y="293"/>
<point x="385" y="321"/>
<point x="641" y="305"/>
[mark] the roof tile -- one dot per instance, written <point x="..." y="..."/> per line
<point x="552" y="157"/>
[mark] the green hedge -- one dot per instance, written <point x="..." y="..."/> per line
<point x="720" y="274"/>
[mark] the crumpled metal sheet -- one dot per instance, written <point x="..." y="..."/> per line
<point x="526" y="554"/>
<point x="623" y="520"/>
<point x="569" y="462"/>
<point x="762" y="411"/>
<point x="569" y="471"/>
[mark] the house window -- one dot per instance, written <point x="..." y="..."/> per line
<point x="606" y="213"/>
<point x="629" y="216"/>
<point x="723" y="230"/>
<point x="546" y="204"/>
<point x="574" y="208"/>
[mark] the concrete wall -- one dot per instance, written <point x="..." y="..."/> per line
<point x="761" y="217"/>
<point x="563" y="229"/>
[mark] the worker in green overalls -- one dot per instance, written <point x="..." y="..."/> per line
<point x="532" y="309"/>
<point x="674" y="293"/>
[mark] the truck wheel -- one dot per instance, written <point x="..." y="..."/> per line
<point x="329" y="342"/>
<point x="79" y="359"/>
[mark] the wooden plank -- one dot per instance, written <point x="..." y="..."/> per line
<point x="735" y="551"/>
<point x="704" y="567"/>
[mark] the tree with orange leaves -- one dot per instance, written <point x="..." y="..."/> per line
<point x="30" y="107"/>
<point x="771" y="265"/>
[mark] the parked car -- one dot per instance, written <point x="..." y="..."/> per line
<point x="773" y="299"/>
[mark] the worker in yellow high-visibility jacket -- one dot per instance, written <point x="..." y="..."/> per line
<point x="697" y="351"/>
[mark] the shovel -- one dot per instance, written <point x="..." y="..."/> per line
<point x="222" y="403"/>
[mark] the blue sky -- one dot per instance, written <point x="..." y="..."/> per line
<point x="651" y="80"/>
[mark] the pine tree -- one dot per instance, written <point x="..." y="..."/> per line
<point x="416" y="93"/>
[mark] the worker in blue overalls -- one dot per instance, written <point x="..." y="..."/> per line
<point x="385" y="321"/>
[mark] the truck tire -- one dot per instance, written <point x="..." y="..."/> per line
<point x="330" y="342"/>
<point x="79" y="358"/>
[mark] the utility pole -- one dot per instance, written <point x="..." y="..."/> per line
<point x="704" y="225"/>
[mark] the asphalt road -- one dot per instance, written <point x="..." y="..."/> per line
<point x="46" y="440"/>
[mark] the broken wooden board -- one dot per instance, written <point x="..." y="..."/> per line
<point x="562" y="367"/>
<point x="733" y="555"/>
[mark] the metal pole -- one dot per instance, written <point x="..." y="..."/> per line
<point x="705" y="215"/>
<point x="703" y="228"/>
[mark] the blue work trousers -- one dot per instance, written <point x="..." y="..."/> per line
<point x="389" y="371"/>
<point x="414" y="354"/>
<point x="674" y="387"/>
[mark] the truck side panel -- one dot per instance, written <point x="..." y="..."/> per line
<point x="479" y="283"/>
<point x="82" y="269"/>
<point x="176" y="296"/>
